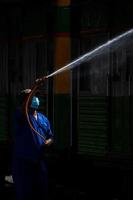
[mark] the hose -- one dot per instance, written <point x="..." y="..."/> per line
<point x="37" y="84"/>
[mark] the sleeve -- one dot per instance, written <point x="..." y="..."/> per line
<point x="49" y="131"/>
<point x="45" y="124"/>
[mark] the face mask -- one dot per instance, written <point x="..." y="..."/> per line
<point x="35" y="103"/>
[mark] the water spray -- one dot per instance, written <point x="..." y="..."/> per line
<point x="91" y="54"/>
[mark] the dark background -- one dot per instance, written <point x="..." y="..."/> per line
<point x="90" y="107"/>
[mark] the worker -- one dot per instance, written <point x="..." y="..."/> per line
<point x="29" y="165"/>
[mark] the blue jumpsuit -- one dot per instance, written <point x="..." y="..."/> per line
<point x="29" y="167"/>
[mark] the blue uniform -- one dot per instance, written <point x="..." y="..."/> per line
<point x="29" y="169"/>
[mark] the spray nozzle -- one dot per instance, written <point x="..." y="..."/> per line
<point x="40" y="80"/>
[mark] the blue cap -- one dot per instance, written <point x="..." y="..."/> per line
<point x="35" y="102"/>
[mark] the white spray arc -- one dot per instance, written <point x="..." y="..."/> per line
<point x="91" y="54"/>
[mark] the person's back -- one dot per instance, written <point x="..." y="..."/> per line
<point x="25" y="145"/>
<point x="29" y="167"/>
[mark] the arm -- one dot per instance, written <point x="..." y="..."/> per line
<point x="49" y="139"/>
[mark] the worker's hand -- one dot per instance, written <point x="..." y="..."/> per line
<point x="48" y="142"/>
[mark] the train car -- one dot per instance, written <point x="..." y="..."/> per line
<point x="102" y="97"/>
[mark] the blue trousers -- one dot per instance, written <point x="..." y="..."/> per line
<point x="30" y="179"/>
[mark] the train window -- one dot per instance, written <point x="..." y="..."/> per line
<point x="93" y="73"/>
<point x="119" y="73"/>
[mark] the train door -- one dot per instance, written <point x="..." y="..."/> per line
<point x="121" y="100"/>
<point x="92" y="98"/>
